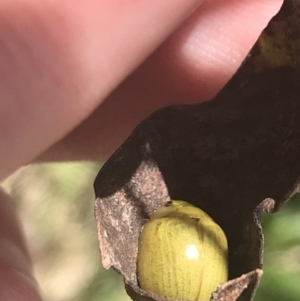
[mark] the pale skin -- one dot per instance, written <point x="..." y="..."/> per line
<point x="60" y="60"/>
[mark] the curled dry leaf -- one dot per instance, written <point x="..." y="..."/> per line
<point x="234" y="157"/>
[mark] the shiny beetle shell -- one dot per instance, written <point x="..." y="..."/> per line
<point x="182" y="253"/>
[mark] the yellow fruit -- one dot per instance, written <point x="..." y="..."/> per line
<point x="182" y="253"/>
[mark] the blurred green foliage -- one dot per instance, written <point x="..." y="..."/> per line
<point x="281" y="279"/>
<point x="56" y="206"/>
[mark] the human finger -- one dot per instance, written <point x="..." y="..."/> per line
<point x="60" y="59"/>
<point x="192" y="66"/>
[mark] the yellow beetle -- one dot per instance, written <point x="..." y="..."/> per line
<point x="182" y="253"/>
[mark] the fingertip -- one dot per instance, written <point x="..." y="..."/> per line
<point x="210" y="46"/>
